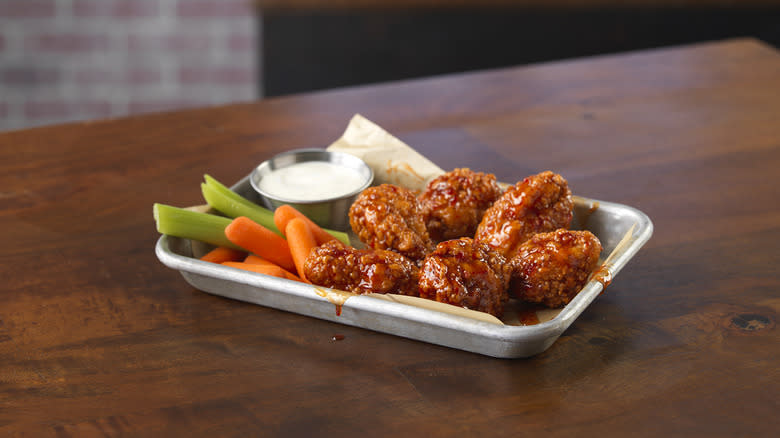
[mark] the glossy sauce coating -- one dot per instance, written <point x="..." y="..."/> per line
<point x="453" y="204"/>
<point x="361" y="271"/>
<point x="467" y="274"/>
<point x="537" y="204"/>
<point x="551" y="268"/>
<point x="389" y="217"/>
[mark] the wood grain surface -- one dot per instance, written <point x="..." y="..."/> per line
<point x="98" y="338"/>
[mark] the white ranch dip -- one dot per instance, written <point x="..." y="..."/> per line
<point x="311" y="181"/>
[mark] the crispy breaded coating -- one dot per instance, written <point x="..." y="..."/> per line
<point x="467" y="274"/>
<point x="341" y="267"/>
<point x="551" y="268"/>
<point x="537" y="204"/>
<point x="453" y="204"/>
<point x="390" y="217"/>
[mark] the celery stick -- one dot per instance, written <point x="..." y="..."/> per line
<point x="230" y="203"/>
<point x="234" y="208"/>
<point x="226" y="191"/>
<point x="340" y="235"/>
<point x="189" y="224"/>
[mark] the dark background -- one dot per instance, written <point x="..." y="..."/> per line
<point x="311" y="50"/>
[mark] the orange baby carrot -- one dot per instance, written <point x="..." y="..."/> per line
<point x="257" y="260"/>
<point x="285" y="213"/>
<point x="255" y="238"/>
<point x="269" y="269"/>
<point x="222" y="254"/>
<point x="254" y="259"/>
<point x="301" y="240"/>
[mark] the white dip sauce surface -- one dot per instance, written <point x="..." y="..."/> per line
<point x="311" y="181"/>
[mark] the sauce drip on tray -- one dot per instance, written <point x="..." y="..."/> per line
<point x="603" y="275"/>
<point x="527" y="316"/>
<point x="336" y="299"/>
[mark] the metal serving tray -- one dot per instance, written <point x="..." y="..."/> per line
<point x="622" y="231"/>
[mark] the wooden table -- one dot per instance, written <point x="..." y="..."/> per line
<point x="99" y="338"/>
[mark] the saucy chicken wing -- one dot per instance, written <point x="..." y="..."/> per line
<point x="390" y="217"/>
<point x="551" y="268"/>
<point x="453" y="204"/>
<point x="467" y="274"/>
<point x="537" y="204"/>
<point x="364" y="271"/>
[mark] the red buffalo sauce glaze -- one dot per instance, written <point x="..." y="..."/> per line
<point x="603" y="275"/>
<point x="585" y="217"/>
<point x="527" y="316"/>
<point x="334" y="298"/>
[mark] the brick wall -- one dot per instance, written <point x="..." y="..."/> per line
<point x="66" y="60"/>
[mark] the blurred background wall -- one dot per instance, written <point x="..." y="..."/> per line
<point x="65" y="60"/>
<point x="380" y="40"/>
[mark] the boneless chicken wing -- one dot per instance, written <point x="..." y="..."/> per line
<point x="537" y="204"/>
<point x="551" y="268"/>
<point x="389" y="217"/>
<point x="467" y="274"/>
<point x="453" y="204"/>
<point x="346" y="268"/>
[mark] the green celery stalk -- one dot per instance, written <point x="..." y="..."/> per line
<point x="188" y="224"/>
<point x="230" y="203"/>
<point x="226" y="191"/>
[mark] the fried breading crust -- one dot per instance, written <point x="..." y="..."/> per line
<point x="390" y="217"/>
<point x="537" y="204"/>
<point x="453" y="204"/>
<point x="361" y="271"/>
<point x="551" y="268"/>
<point x="467" y="274"/>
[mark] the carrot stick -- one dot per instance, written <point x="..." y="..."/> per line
<point x="269" y="269"/>
<point x="222" y="254"/>
<point x="257" y="260"/>
<point x="254" y="259"/>
<point x="258" y="239"/>
<point x="301" y="240"/>
<point x="285" y="213"/>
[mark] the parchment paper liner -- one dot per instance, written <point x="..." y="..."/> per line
<point x="391" y="159"/>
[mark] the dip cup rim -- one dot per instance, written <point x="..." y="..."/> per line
<point x="342" y="158"/>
